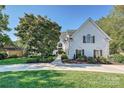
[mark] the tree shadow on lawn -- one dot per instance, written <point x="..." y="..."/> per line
<point x="33" y="79"/>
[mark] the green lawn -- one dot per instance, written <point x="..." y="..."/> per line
<point x="63" y="79"/>
<point x="14" y="61"/>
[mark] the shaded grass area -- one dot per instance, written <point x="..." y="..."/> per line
<point x="14" y="60"/>
<point x="60" y="79"/>
<point x="22" y="60"/>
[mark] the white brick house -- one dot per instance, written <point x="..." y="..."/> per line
<point x="89" y="40"/>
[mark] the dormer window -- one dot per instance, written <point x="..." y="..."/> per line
<point x="88" y="39"/>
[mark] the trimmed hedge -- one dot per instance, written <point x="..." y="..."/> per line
<point x="39" y="59"/>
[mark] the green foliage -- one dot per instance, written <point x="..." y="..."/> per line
<point x="34" y="60"/>
<point x="60" y="51"/>
<point x="64" y="56"/>
<point x="39" y="34"/>
<point x="3" y="55"/>
<point x="3" y="20"/>
<point x="96" y="60"/>
<point x="81" y="58"/>
<point x="113" y="25"/>
<point x="117" y="58"/>
<point x="91" y="60"/>
<point x="41" y="59"/>
<point x="4" y="39"/>
<point x="19" y="43"/>
<point x="102" y="60"/>
<point x="13" y="56"/>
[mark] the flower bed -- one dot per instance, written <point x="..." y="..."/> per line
<point x="84" y="59"/>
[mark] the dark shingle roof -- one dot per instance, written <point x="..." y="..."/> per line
<point x="13" y="48"/>
<point x="68" y="32"/>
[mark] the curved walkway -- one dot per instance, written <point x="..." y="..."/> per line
<point x="76" y="67"/>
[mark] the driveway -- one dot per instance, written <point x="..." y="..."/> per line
<point x="75" y="67"/>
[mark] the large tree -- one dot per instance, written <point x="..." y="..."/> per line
<point x="4" y="38"/>
<point x="39" y="34"/>
<point x="113" y="25"/>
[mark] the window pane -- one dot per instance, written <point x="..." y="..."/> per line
<point x="88" y="38"/>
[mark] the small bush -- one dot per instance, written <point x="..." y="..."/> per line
<point x="117" y="58"/>
<point x="13" y="56"/>
<point x="33" y="61"/>
<point x="50" y="59"/>
<point x="41" y="59"/>
<point x="91" y="60"/>
<point x="81" y="58"/>
<point x="64" y="56"/>
<point x="102" y="60"/>
<point x="3" y="55"/>
<point x="61" y="52"/>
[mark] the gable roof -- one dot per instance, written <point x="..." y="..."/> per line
<point x="95" y="24"/>
<point x="72" y="32"/>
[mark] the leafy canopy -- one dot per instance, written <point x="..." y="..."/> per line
<point x="4" y="38"/>
<point x="39" y="34"/>
<point x="113" y="25"/>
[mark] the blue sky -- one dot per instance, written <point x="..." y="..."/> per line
<point x="69" y="17"/>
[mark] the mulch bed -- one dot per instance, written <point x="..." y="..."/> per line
<point x="81" y="62"/>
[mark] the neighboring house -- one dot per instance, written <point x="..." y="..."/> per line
<point x="89" y="40"/>
<point x="13" y="51"/>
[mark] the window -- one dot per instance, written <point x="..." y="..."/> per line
<point x="88" y="39"/>
<point x="60" y="45"/>
<point x="79" y="52"/>
<point x="97" y="53"/>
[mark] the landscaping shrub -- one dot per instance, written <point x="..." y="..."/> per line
<point x="117" y="58"/>
<point x="64" y="56"/>
<point x="91" y="60"/>
<point x="41" y="59"/>
<point x="51" y="58"/>
<point x="13" y="56"/>
<point x="3" y="55"/>
<point x="102" y="60"/>
<point x="35" y="60"/>
<point x="81" y="58"/>
<point x="61" y="52"/>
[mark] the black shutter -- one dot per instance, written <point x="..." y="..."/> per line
<point x="76" y="53"/>
<point x="94" y="53"/>
<point x="84" y="39"/>
<point x="100" y="52"/>
<point x="82" y="52"/>
<point x="93" y="39"/>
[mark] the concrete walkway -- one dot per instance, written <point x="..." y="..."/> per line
<point x="58" y="65"/>
<point x="75" y="67"/>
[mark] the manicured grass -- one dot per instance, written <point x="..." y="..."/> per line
<point x="14" y="61"/>
<point x="60" y="79"/>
